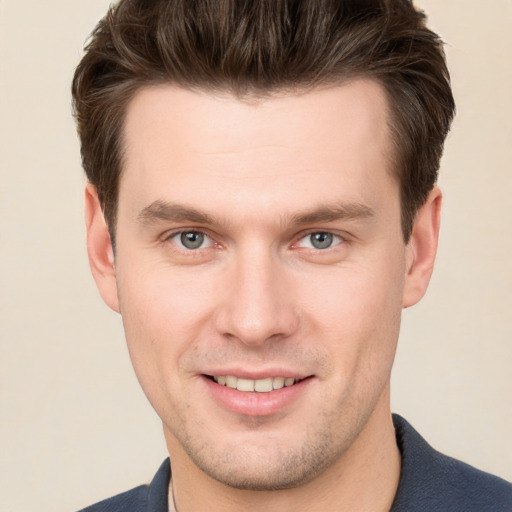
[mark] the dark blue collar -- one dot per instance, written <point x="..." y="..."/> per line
<point x="433" y="482"/>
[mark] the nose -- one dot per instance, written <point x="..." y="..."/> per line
<point x="258" y="303"/>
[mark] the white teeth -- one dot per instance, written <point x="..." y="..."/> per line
<point x="231" y="382"/>
<point x="259" y="385"/>
<point x="245" y="385"/>
<point x="278" y="382"/>
<point x="263" y="385"/>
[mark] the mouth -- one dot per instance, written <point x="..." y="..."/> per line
<point x="265" y="385"/>
<point x="264" y="396"/>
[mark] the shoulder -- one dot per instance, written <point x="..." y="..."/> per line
<point x="144" y="498"/>
<point x="433" y="481"/>
<point x="134" y="500"/>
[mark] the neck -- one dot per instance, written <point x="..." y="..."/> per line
<point x="365" y="478"/>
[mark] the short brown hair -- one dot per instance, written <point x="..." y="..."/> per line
<point x="261" y="46"/>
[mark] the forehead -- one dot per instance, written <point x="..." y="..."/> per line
<point x="276" y="148"/>
<point x="202" y="118"/>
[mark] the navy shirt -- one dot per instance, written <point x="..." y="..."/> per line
<point x="429" y="482"/>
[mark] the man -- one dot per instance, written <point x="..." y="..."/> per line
<point x="261" y="206"/>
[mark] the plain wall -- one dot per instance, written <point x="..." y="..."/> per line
<point x="75" y="427"/>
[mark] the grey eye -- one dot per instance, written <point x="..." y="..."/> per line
<point x="192" y="239"/>
<point x="321" y="240"/>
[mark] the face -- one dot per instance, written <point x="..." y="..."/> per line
<point x="260" y="271"/>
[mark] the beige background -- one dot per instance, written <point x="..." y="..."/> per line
<point x="74" y="425"/>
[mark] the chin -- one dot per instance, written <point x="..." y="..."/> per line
<point x="278" y="477"/>
<point x="269" y="467"/>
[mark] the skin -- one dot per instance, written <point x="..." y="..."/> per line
<point x="257" y="178"/>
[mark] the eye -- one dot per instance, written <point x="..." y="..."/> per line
<point x="319" y="240"/>
<point x="191" y="240"/>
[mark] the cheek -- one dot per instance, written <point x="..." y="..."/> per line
<point x="164" y="313"/>
<point x="359" y="311"/>
<point x="349" y="298"/>
<point x="163" y="298"/>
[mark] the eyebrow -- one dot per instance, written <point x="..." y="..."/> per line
<point x="345" y="211"/>
<point x="172" y="212"/>
<point x="160" y="210"/>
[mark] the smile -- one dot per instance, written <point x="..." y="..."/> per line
<point x="264" y="395"/>
<point x="259" y="386"/>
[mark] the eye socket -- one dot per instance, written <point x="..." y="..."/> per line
<point x="191" y="240"/>
<point x="319" y="240"/>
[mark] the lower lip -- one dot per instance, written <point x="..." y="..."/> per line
<point x="254" y="403"/>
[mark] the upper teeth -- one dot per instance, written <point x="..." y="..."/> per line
<point x="259" y="385"/>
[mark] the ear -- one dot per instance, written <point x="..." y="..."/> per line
<point x="421" y="249"/>
<point x="99" y="249"/>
